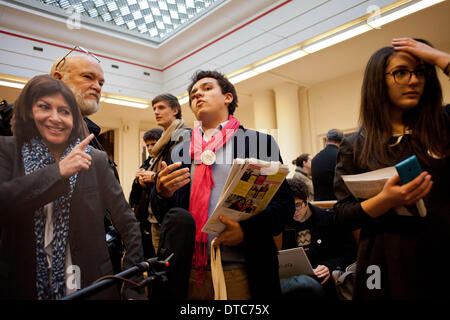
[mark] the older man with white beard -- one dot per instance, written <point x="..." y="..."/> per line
<point x="84" y="76"/>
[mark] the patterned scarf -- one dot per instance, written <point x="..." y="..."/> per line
<point x="202" y="183"/>
<point x="36" y="156"/>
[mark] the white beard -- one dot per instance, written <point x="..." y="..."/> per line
<point x="87" y="106"/>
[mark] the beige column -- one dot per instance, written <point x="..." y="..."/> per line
<point x="264" y="111"/>
<point x="129" y="152"/>
<point x="305" y="122"/>
<point x="288" y="121"/>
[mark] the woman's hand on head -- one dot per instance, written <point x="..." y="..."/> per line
<point x="76" y="160"/>
<point x="422" y="51"/>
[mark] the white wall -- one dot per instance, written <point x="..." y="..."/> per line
<point x="333" y="104"/>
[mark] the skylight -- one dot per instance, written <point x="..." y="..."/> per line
<point x="157" y="19"/>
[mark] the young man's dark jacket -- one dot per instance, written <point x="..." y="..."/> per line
<point x="258" y="244"/>
<point x="136" y="188"/>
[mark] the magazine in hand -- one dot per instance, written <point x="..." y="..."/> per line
<point x="369" y="184"/>
<point x="250" y="186"/>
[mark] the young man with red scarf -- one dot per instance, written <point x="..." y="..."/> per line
<point x="195" y="181"/>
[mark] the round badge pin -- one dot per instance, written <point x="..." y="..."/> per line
<point x="208" y="157"/>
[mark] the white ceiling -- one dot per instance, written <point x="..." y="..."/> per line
<point x="432" y="24"/>
<point x="14" y="16"/>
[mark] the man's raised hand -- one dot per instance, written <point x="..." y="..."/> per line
<point x="170" y="179"/>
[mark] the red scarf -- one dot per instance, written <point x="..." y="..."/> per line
<point x="201" y="187"/>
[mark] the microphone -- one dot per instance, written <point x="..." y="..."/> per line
<point x="150" y="265"/>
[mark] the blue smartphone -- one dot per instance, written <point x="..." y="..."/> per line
<point x="408" y="169"/>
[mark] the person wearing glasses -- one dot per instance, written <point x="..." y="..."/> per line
<point x="303" y="171"/>
<point x="401" y="115"/>
<point x="84" y="76"/>
<point x="81" y="71"/>
<point x="327" y="246"/>
<point x="54" y="190"/>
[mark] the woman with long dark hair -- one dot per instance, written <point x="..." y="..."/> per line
<point x="401" y="114"/>
<point x="54" y="190"/>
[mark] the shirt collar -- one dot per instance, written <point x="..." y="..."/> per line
<point x="218" y="129"/>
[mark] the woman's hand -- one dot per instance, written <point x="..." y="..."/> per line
<point x="395" y="195"/>
<point x="407" y="194"/>
<point x="76" y="160"/>
<point x="322" y="272"/>
<point x="422" y="51"/>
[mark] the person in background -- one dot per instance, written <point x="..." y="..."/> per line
<point x="322" y="167"/>
<point x="173" y="235"/>
<point x="303" y="171"/>
<point x="401" y="115"/>
<point x="142" y="181"/>
<point x="327" y="246"/>
<point x="167" y="111"/>
<point x="150" y="138"/>
<point x="54" y="190"/>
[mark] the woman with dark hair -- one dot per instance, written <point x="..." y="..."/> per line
<point x="51" y="208"/>
<point x="401" y="115"/>
<point x="303" y="171"/>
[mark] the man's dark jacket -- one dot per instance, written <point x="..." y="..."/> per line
<point x="136" y="188"/>
<point x="322" y="172"/>
<point x="258" y="244"/>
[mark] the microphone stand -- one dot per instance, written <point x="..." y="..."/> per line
<point x="147" y="265"/>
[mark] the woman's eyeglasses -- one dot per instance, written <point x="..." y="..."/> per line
<point x="61" y="62"/>
<point x="403" y="76"/>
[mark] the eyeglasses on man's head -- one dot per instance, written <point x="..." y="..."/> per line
<point x="61" y="62"/>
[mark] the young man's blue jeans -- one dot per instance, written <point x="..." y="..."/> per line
<point x="302" y="286"/>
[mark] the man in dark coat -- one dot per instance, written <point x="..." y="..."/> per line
<point x="322" y="167"/>
<point x="138" y="191"/>
<point x="150" y="138"/>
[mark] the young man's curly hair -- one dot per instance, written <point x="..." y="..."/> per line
<point x="299" y="188"/>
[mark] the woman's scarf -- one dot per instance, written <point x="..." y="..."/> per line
<point x="202" y="184"/>
<point x="36" y="156"/>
